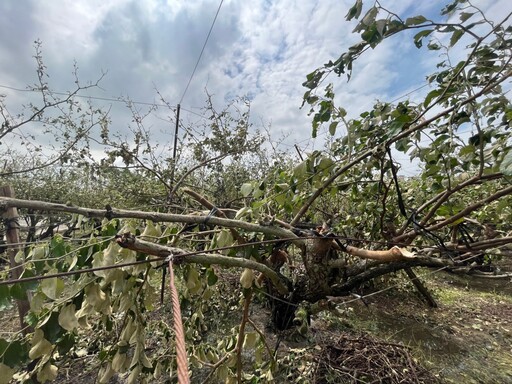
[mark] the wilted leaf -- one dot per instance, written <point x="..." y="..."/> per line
<point x="6" y="373"/>
<point x="94" y="295"/>
<point x="250" y="340"/>
<point x="246" y="189"/>
<point x="48" y="373"/>
<point x="39" y="252"/>
<point x="67" y="318"/>
<point x="224" y="238"/>
<point x="134" y="375"/>
<point x="40" y="346"/>
<point x="247" y="278"/>
<point x="369" y="18"/>
<point x="152" y="232"/>
<point x="118" y="362"/>
<point x="52" y="287"/>
<point x="193" y="282"/>
<point x="105" y="373"/>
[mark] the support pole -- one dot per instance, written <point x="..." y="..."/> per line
<point x="174" y="151"/>
<point x="420" y="287"/>
<point x="12" y="235"/>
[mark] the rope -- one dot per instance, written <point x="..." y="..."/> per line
<point x="181" y="352"/>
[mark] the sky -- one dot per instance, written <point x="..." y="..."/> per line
<point x="260" y="49"/>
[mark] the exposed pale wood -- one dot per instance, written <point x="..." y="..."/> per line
<point x="393" y="254"/>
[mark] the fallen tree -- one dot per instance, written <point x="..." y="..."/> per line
<point x="303" y="235"/>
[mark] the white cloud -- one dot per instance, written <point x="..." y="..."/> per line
<point x="262" y="49"/>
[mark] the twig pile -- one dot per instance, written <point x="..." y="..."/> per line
<point x="362" y="359"/>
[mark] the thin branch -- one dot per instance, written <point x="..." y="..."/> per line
<point x="241" y="335"/>
<point x="461" y="214"/>
<point x="425" y="123"/>
<point x="129" y="241"/>
<point x="264" y="341"/>
<point x="202" y="164"/>
<point x="203" y="201"/>
<point x="443" y="196"/>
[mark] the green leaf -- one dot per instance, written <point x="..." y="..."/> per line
<point x="467" y="153"/>
<point x="52" y="287"/>
<point x="415" y="20"/>
<point x="355" y="11"/>
<point x="449" y="8"/>
<point x="300" y="170"/>
<point x="431" y="95"/>
<point x="211" y="277"/>
<point x="506" y="164"/>
<point x="332" y="128"/>
<point x="51" y="327"/>
<point x="485" y="137"/>
<point x="65" y="343"/>
<point x="372" y="36"/>
<point x="395" y="127"/>
<point x="456" y="37"/>
<point x="465" y="16"/>
<point x="13" y="353"/>
<point x="19" y="292"/>
<point x="312" y="79"/>
<point x="58" y="246"/>
<point x="420" y="35"/>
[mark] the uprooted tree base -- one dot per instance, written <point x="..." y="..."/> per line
<point x="313" y="292"/>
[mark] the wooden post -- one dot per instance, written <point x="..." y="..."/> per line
<point x="174" y="152"/>
<point x="420" y="287"/>
<point x="12" y="237"/>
